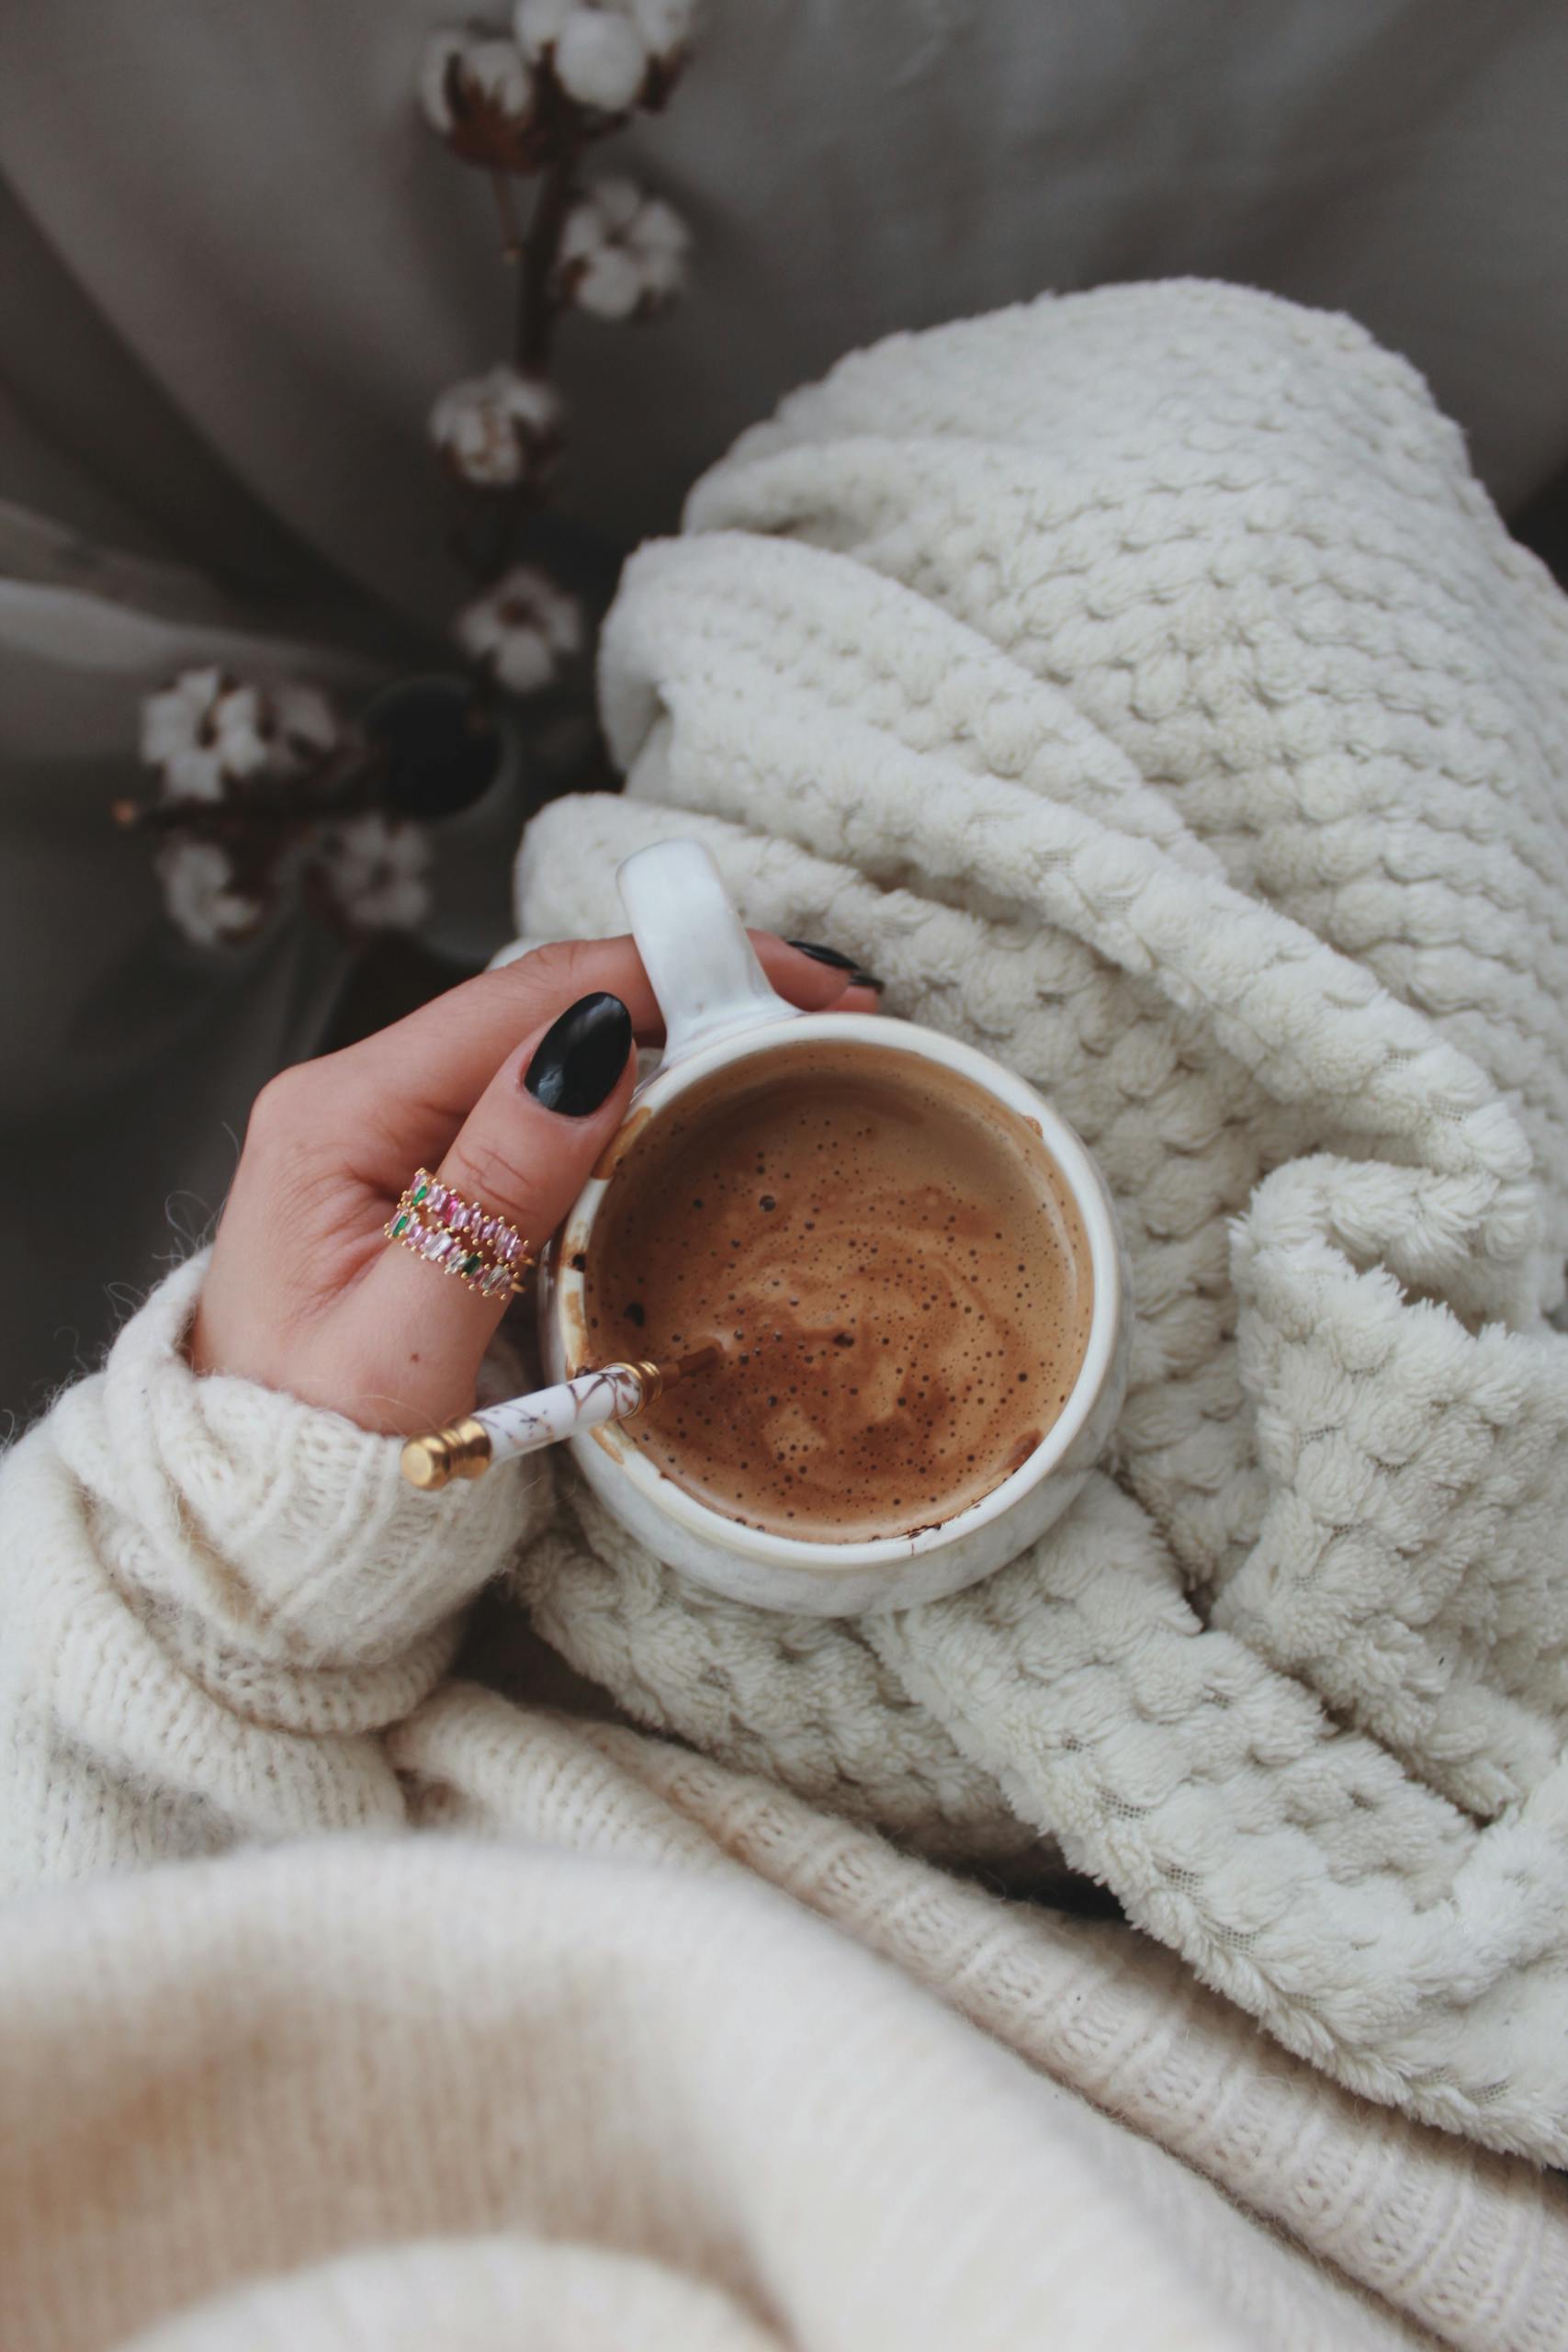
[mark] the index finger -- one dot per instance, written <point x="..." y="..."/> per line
<point x="425" y="1072"/>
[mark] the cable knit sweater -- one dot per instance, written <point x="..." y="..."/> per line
<point x="1140" y="680"/>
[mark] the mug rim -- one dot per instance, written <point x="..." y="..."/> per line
<point x="564" y="1285"/>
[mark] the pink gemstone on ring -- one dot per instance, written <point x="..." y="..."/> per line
<point x="458" y="1216"/>
<point x="436" y="1200"/>
<point x="415" y="1234"/>
<point x="438" y="1246"/>
<point x="509" y="1245"/>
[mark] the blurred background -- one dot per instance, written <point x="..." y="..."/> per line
<point x="244" y="256"/>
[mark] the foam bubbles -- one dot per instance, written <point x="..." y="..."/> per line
<point x="894" y="1267"/>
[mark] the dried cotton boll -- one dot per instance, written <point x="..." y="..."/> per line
<point x="375" y="867"/>
<point x="522" y="630"/>
<point x="665" y="27"/>
<point x="207" y="733"/>
<point x="661" y="241"/>
<point x="499" y="74"/>
<point x="198" y="896"/>
<point x="302" y="727"/>
<point x="442" y="51"/>
<point x="538" y="24"/>
<point x="177" y="741"/>
<point x="604" y="279"/>
<point x="600" y="61"/>
<point x="595" y="50"/>
<point x="497" y="430"/>
<point x="480" y="95"/>
<point x="623" y="254"/>
<point x="202" y="734"/>
<point x="614" y="204"/>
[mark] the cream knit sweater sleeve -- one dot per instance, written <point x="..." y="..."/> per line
<point x="214" y="1602"/>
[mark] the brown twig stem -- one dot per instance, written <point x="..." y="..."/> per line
<point x="538" y="306"/>
<point x="345" y="783"/>
<point x="511" y="236"/>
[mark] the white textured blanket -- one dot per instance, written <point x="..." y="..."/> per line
<point x="553" y="2048"/>
<point x="1140" y="681"/>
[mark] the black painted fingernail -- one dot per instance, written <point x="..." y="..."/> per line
<point x="579" y="1057"/>
<point x="840" y="963"/>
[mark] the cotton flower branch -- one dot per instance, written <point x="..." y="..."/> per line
<point x="261" y="785"/>
<point x="364" y="875"/>
<point x="208" y="732"/>
<point x="240" y="767"/>
<point x="574" y="71"/>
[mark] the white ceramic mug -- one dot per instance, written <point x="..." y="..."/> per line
<point x="720" y="1010"/>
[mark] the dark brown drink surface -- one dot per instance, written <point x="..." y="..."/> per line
<point x="893" y="1265"/>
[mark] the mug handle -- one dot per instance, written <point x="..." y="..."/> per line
<point x="693" y="943"/>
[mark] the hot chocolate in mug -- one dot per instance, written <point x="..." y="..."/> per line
<point x="736" y="1052"/>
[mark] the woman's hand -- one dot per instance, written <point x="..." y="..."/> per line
<point x="304" y="1292"/>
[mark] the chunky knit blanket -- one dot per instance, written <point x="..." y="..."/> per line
<point x="1142" y="683"/>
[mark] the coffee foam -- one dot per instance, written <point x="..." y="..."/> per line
<point x="893" y="1264"/>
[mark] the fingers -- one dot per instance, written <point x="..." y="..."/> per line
<point x="524" y="1153"/>
<point x="402" y="1092"/>
<point x="809" y="975"/>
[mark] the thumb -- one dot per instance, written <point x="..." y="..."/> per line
<point x="523" y="1154"/>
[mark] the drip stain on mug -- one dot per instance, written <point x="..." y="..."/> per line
<point x="894" y="1268"/>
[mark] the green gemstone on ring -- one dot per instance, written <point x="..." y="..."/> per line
<point x="420" y="1191"/>
<point x="470" y="1265"/>
<point x="401" y="1225"/>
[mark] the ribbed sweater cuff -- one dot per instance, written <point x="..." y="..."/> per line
<point x="287" y="1529"/>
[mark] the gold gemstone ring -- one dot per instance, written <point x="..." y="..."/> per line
<point x="460" y="1237"/>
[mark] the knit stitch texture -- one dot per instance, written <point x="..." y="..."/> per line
<point x="1141" y="681"/>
